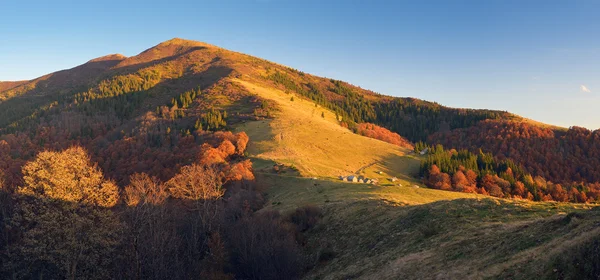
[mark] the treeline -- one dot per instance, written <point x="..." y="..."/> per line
<point x="119" y="95"/>
<point x="353" y="108"/>
<point x="416" y="119"/>
<point x="118" y="85"/>
<point x="67" y="221"/>
<point x="185" y="99"/>
<point x="483" y="173"/>
<point x="560" y="156"/>
<point x="411" y="118"/>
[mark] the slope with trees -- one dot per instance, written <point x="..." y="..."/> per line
<point x="483" y="173"/>
<point x="561" y="156"/>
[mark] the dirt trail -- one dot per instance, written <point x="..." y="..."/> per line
<point x="365" y="167"/>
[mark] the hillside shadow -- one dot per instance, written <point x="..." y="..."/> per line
<point x="37" y="101"/>
<point x="59" y="86"/>
<point x="63" y="85"/>
<point x="128" y="69"/>
<point x="401" y="167"/>
<point x="477" y="238"/>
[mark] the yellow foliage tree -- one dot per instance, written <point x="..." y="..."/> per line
<point x="68" y="176"/>
<point x="197" y="182"/>
<point x="67" y="231"/>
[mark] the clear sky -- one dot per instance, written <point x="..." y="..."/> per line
<point x="539" y="59"/>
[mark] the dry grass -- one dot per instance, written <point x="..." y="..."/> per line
<point x="473" y="238"/>
<point x="398" y="230"/>
<point x="317" y="146"/>
<point x="11" y="84"/>
<point x="289" y="192"/>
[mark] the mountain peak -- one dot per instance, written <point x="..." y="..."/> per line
<point x="184" y="43"/>
<point x="116" y="56"/>
<point x="169" y="48"/>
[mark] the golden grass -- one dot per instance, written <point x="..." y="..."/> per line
<point x="289" y="192"/>
<point x="317" y="146"/>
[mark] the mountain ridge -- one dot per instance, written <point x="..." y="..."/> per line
<point x="162" y="72"/>
<point x="178" y="46"/>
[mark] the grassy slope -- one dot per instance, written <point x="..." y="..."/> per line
<point x="317" y="146"/>
<point x="10" y="84"/>
<point x="400" y="232"/>
<point x="449" y="239"/>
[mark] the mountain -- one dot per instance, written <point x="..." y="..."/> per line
<point x="111" y="94"/>
<point x="165" y="129"/>
<point x="8" y="85"/>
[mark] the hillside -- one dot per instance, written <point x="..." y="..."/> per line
<point x="8" y="85"/>
<point x="91" y="103"/>
<point x="299" y="135"/>
<point x="177" y="194"/>
<point x="566" y="156"/>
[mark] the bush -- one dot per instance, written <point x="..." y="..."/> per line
<point x="305" y="217"/>
<point x="429" y="229"/>
<point x="326" y="254"/>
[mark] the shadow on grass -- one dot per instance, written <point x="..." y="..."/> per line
<point x="461" y="238"/>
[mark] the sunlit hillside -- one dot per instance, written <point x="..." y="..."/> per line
<point x="309" y="137"/>
<point x="189" y="160"/>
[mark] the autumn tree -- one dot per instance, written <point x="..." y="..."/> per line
<point x="197" y="182"/>
<point x="438" y="179"/>
<point x="471" y="180"/>
<point x="152" y="241"/>
<point x="64" y="198"/>
<point x="519" y="189"/>
<point x="459" y="181"/>
<point x="201" y="187"/>
<point x="241" y="142"/>
<point x="490" y="185"/>
<point x="68" y="176"/>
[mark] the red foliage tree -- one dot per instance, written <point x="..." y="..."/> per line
<point x="374" y="131"/>
<point x="438" y="179"/>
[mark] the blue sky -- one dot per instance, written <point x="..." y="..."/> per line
<point x="539" y="59"/>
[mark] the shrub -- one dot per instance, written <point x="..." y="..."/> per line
<point x="305" y="217"/>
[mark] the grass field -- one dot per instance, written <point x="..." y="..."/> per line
<point x="402" y="230"/>
<point x="477" y="238"/>
<point x="315" y="145"/>
<point x="289" y="192"/>
<point x="392" y="232"/>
